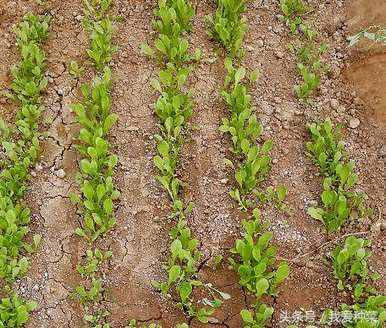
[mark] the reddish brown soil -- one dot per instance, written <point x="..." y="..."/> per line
<point x="140" y="241"/>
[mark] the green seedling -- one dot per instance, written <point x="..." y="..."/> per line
<point x="277" y="196"/>
<point x="352" y="274"/>
<point x="90" y="295"/>
<point x="258" y="318"/>
<point x="182" y="265"/>
<point x="174" y="108"/>
<point x="101" y="50"/>
<point x="291" y="9"/>
<point x="98" y="319"/>
<point x="292" y="12"/>
<point x="374" y="305"/>
<point x="12" y="267"/>
<point x="326" y="148"/>
<point x="28" y="77"/>
<point x="98" y="165"/>
<point x="97" y="192"/>
<point x="182" y="268"/>
<point x="76" y="70"/>
<point x="15" y="311"/>
<point x="174" y="17"/>
<point x="252" y="163"/>
<point x="20" y="146"/>
<point x="255" y="259"/>
<point x="215" y="262"/>
<point x="94" y="12"/>
<point x="350" y="266"/>
<point x="254" y="265"/>
<point x="93" y="261"/>
<point x="244" y="129"/>
<point x="339" y="197"/>
<point x="309" y="62"/>
<point x="133" y="324"/>
<point x="32" y="29"/>
<point x="311" y="81"/>
<point x="228" y="26"/>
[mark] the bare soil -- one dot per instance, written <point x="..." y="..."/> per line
<point x="354" y="88"/>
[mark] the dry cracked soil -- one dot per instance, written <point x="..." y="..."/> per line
<point x="353" y="91"/>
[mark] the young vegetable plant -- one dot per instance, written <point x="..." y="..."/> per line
<point x="182" y="269"/>
<point x="292" y="10"/>
<point x="368" y="306"/>
<point x="95" y="11"/>
<point x="340" y="201"/>
<point x="76" y="70"/>
<point x="173" y="109"/>
<point x="251" y="164"/>
<point x="20" y="144"/>
<point x="15" y="311"/>
<point x="133" y="324"/>
<point x="350" y="266"/>
<point x="93" y="261"/>
<point x="98" y="319"/>
<point x="101" y="50"/>
<point x="308" y="54"/>
<point x="229" y="25"/>
<point x="97" y="164"/>
<point x="92" y="294"/>
<point x="276" y="196"/>
<point x="254" y="265"/>
<point x="244" y="129"/>
<point x="374" y="305"/>
<point x="174" y="18"/>
<point x="258" y="318"/>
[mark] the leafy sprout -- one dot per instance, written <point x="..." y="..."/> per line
<point x="339" y="198"/>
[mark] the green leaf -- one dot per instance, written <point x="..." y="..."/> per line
<point x="174" y="274"/>
<point x="254" y="76"/>
<point x="246" y="316"/>
<point x="109" y="122"/>
<point x="316" y="213"/>
<point x="185" y="290"/>
<point x="282" y="272"/>
<point x="281" y="193"/>
<point x="262" y="286"/>
<point x="147" y="50"/>
<point x="239" y="75"/>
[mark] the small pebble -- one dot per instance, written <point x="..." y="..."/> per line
<point x="354" y="123"/>
<point x="334" y="103"/>
<point x="60" y="173"/>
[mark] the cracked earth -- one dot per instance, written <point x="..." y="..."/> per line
<point x="140" y="240"/>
